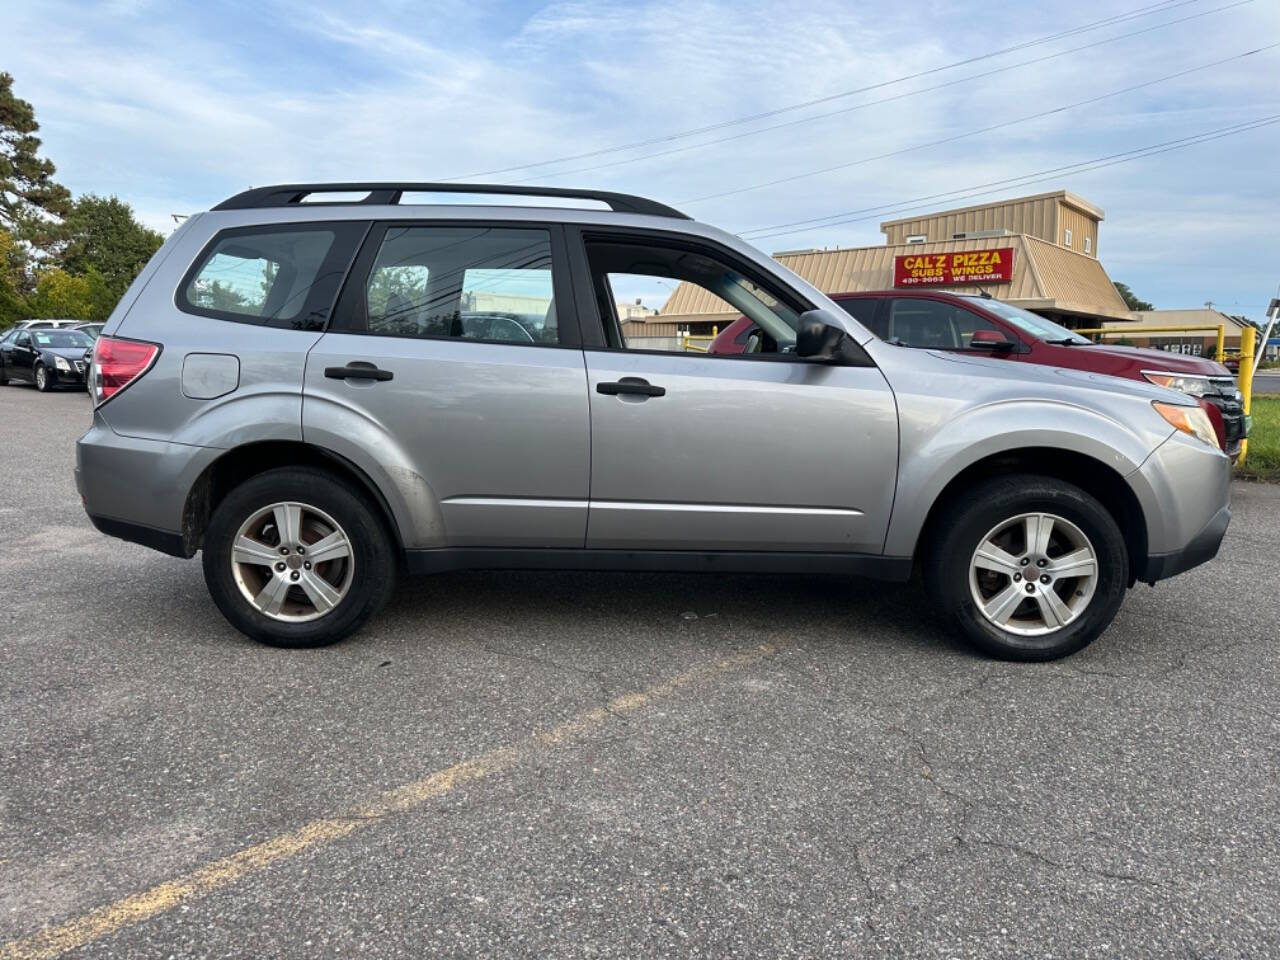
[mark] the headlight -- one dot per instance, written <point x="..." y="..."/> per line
<point x="1184" y="383"/>
<point x="61" y="364"/>
<point x="1190" y="420"/>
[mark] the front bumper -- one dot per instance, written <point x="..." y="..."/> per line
<point x="1184" y="488"/>
<point x="1202" y="548"/>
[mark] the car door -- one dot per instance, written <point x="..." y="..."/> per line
<point x="730" y="452"/>
<point x="23" y="356"/>
<point x="454" y="370"/>
<point x="6" y="351"/>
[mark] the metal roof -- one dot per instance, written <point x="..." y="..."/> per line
<point x="1045" y="277"/>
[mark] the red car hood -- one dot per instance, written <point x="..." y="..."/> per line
<point x="1118" y="360"/>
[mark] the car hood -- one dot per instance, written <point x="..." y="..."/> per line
<point x="1142" y="358"/>
<point x="68" y="353"/>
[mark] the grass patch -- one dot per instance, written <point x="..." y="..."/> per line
<point x="1263" y="462"/>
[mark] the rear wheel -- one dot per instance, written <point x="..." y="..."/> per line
<point x="42" y="378"/>
<point x="297" y="558"/>
<point x="1031" y="567"/>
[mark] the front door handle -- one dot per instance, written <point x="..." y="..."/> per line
<point x="631" y="385"/>
<point x="357" y="370"/>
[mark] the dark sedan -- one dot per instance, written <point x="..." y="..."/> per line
<point x="46" y="357"/>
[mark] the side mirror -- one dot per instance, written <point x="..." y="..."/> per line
<point x="816" y="339"/>
<point x="992" y="340"/>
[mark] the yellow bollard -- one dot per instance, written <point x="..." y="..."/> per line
<point x="1245" y="378"/>
<point x="1221" y="353"/>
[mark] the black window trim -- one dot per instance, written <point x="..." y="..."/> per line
<point x="593" y="324"/>
<point x="567" y="319"/>
<point x="336" y="258"/>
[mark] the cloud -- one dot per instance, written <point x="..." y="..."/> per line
<point x="174" y="109"/>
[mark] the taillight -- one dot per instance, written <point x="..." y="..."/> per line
<point x="117" y="363"/>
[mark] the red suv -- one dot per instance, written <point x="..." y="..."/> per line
<point x="955" y="321"/>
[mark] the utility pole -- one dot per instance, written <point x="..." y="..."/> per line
<point x="1273" y="313"/>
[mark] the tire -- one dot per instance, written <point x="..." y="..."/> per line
<point x="362" y="579"/>
<point x="4" y="379"/>
<point x="43" y="383"/>
<point x="1026" y="622"/>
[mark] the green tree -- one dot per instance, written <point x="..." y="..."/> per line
<point x="101" y="234"/>
<point x="13" y="280"/>
<point x="73" y="296"/>
<point x="30" y="199"/>
<point x="1130" y="299"/>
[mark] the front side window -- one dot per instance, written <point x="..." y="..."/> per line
<point x="623" y="271"/>
<point x="468" y="282"/>
<point x="281" y="276"/>
<point x="932" y="325"/>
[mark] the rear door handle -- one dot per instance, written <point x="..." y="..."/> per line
<point x="631" y="385"/>
<point x="357" y="370"/>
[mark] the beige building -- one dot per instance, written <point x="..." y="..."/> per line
<point x="1046" y="246"/>
<point x="1200" y="343"/>
<point x="1060" y="217"/>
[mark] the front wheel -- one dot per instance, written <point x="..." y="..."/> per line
<point x="297" y="558"/>
<point x="1032" y="568"/>
<point x="43" y="384"/>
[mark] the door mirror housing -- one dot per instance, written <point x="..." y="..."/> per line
<point x="819" y="339"/>
<point x="992" y="340"/>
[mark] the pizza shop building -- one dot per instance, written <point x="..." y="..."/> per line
<point x="1038" y="252"/>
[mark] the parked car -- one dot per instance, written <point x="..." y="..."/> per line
<point x="936" y="320"/>
<point x="42" y="323"/>
<point x="90" y="330"/>
<point x="257" y="399"/>
<point x="47" y="357"/>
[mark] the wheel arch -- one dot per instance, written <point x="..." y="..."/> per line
<point x="241" y="463"/>
<point x="1098" y="479"/>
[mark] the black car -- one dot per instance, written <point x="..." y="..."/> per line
<point x="46" y="357"/>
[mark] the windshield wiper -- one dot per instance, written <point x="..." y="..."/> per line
<point x="1070" y="342"/>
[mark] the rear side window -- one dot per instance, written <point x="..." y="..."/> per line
<point x="278" y="276"/>
<point x="472" y="282"/>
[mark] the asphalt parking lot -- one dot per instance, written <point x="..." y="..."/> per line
<point x="568" y="765"/>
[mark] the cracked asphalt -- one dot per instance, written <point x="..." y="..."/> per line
<point x="855" y="783"/>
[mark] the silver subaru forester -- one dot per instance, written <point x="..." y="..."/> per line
<point x="321" y="385"/>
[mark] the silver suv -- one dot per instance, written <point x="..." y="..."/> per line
<point x="320" y="385"/>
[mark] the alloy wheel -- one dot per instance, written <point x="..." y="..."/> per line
<point x="292" y="562"/>
<point x="1033" y="574"/>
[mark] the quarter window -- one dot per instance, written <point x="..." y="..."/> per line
<point x="472" y="283"/>
<point x="282" y="276"/>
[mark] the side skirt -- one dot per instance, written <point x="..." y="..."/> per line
<point x="683" y="561"/>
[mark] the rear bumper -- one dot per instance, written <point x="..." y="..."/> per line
<point x="1202" y="548"/>
<point x="136" y="488"/>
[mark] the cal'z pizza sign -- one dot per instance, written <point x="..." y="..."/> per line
<point x="939" y="269"/>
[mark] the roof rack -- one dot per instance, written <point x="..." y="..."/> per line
<point x="287" y="194"/>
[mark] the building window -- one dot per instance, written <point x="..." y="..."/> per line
<point x="1066" y="237"/>
<point x="917" y="238"/>
<point x="1088" y="244"/>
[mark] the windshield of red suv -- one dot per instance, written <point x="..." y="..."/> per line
<point x="1034" y="324"/>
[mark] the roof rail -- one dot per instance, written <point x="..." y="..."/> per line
<point x="287" y="194"/>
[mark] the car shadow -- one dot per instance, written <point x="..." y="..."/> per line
<point x="749" y="608"/>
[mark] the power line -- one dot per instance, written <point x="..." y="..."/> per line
<point x="973" y="133"/>
<point x="871" y="103"/>
<point x="996" y="186"/>
<point x="1150" y="9"/>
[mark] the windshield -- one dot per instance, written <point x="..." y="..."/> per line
<point x="60" y="338"/>
<point x="1032" y="323"/>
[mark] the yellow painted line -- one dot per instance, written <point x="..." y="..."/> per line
<point x="134" y="909"/>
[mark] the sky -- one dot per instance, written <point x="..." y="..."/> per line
<point x="173" y="107"/>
